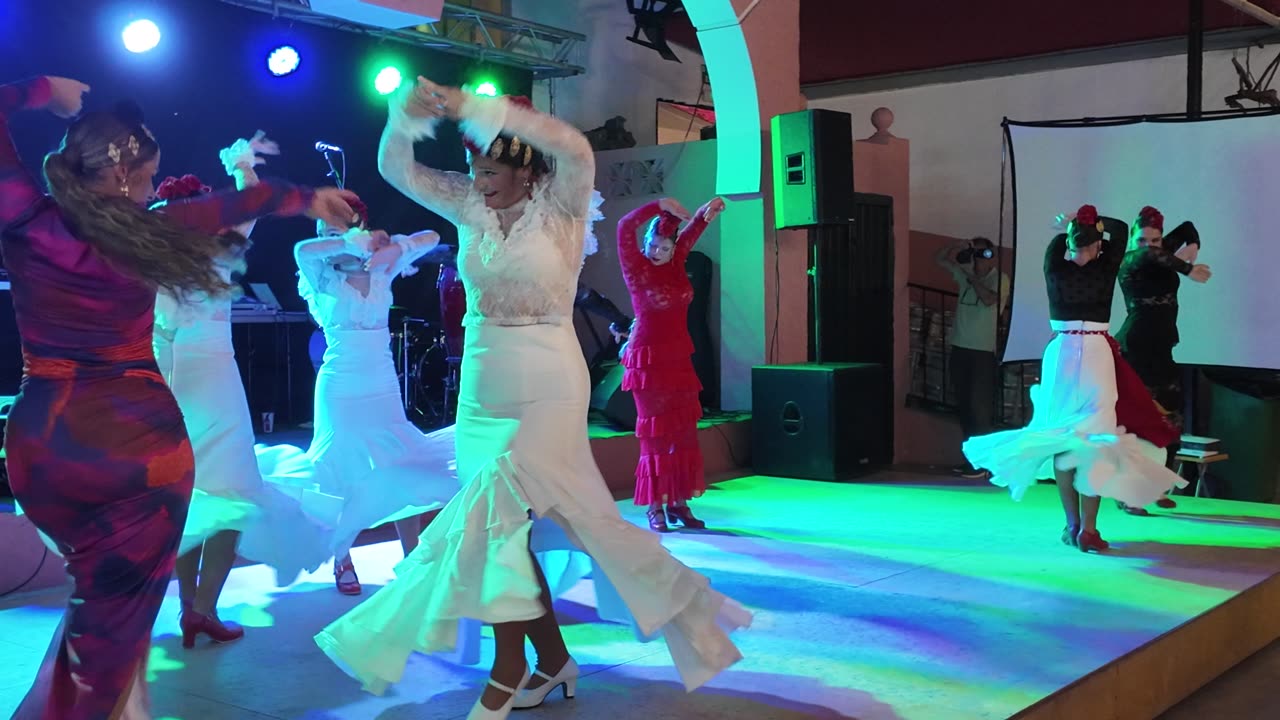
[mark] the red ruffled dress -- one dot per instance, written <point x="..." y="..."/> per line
<point x="659" y="365"/>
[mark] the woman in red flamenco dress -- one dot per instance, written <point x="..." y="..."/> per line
<point x="97" y="452"/>
<point x="658" y="358"/>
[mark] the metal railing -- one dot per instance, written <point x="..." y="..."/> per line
<point x="932" y="316"/>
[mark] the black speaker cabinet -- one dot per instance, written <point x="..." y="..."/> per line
<point x="812" y="169"/>
<point x="820" y="422"/>
<point x="616" y="404"/>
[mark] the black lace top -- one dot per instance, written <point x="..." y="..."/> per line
<point x="1084" y="292"/>
<point x="1149" y="281"/>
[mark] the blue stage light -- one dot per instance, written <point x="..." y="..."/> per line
<point x="283" y="60"/>
<point x="140" y="36"/>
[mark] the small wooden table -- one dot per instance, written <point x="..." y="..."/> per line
<point x="1202" y="463"/>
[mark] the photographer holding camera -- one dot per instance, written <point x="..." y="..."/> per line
<point x="983" y="295"/>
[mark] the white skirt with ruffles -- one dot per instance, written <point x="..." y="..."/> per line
<point x="1073" y="426"/>
<point x="529" y="483"/>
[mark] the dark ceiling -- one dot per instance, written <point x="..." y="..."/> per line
<point x="851" y="39"/>
<point x="848" y="39"/>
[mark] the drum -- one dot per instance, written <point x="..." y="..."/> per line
<point x="453" y="305"/>
<point x="316" y="348"/>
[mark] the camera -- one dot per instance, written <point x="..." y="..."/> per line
<point x="968" y="254"/>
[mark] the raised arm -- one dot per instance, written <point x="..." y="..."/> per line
<point x="483" y="119"/>
<point x="439" y="191"/>
<point x="239" y="161"/>
<point x="629" y="254"/>
<point x="215" y="211"/>
<point x="412" y="248"/>
<point x="1115" y="238"/>
<point x="18" y="190"/>
<point x="1184" y="234"/>
<point x="693" y="230"/>
<point x="1056" y="253"/>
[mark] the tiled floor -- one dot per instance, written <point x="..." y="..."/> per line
<point x="903" y="599"/>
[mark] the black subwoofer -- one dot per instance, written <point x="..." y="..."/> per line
<point x="827" y="421"/>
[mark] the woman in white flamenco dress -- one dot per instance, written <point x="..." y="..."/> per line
<point x="529" y="481"/>
<point x="367" y="464"/>
<point x="231" y="508"/>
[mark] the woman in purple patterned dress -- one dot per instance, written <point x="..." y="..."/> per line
<point x="97" y="452"/>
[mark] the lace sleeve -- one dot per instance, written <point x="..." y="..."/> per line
<point x="413" y="247"/>
<point x="689" y="235"/>
<point x="629" y="254"/>
<point x="439" y="191"/>
<point x="483" y="119"/>
<point x="1184" y="234"/>
<point x="312" y="256"/>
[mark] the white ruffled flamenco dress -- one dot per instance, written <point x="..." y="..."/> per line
<point x="529" y="480"/>
<point x="194" y="352"/>
<point x="367" y="465"/>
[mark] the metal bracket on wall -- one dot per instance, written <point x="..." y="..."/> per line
<point x="501" y="39"/>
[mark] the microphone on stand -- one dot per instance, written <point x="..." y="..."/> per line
<point x="338" y="178"/>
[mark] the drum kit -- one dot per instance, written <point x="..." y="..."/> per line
<point x="428" y="356"/>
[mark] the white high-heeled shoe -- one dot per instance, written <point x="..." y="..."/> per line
<point x="567" y="679"/>
<point x="480" y="712"/>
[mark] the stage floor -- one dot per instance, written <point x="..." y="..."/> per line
<point x="908" y="598"/>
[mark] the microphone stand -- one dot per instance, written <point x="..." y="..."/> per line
<point x="338" y="178"/>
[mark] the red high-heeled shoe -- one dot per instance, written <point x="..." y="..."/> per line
<point x="685" y="516"/>
<point x="194" y="624"/>
<point x="351" y="587"/>
<point x="658" y="521"/>
<point x="1166" y="502"/>
<point x="1091" y="542"/>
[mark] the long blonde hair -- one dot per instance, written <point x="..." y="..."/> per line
<point x="136" y="242"/>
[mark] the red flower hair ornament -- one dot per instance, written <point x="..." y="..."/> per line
<point x="187" y="186"/>
<point x="1149" y="217"/>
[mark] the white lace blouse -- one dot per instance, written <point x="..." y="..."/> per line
<point x="334" y="303"/>
<point x="519" y="265"/>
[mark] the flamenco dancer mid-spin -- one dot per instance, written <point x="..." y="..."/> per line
<point x="97" y="451"/>
<point x="1094" y="424"/>
<point x="522" y="444"/>
<point x="1149" y="281"/>
<point x="230" y="506"/>
<point x="657" y="357"/>
<point x="367" y="464"/>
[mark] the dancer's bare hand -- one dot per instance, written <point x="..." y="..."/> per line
<point x="66" y="97"/>
<point x="673" y="206"/>
<point x="333" y="206"/>
<point x="1200" y="273"/>
<point x="439" y="101"/>
<point x="385" y="253"/>
<point x="714" y="207"/>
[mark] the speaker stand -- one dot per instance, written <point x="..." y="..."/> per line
<point x="815" y="238"/>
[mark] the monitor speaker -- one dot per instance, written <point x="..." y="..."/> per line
<point x="812" y="169"/>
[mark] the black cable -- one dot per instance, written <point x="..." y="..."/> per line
<point x="777" y="298"/>
<point x="43" y="559"/>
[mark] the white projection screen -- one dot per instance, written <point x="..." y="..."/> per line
<point x="1222" y="174"/>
